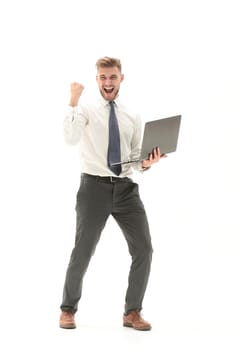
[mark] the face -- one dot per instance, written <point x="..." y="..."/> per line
<point x="109" y="80"/>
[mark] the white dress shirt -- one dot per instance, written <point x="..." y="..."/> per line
<point x="87" y="126"/>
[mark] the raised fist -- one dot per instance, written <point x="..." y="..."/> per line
<point x="76" y="90"/>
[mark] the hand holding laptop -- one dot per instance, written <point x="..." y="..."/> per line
<point x="153" y="157"/>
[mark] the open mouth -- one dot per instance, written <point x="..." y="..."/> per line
<point x="108" y="90"/>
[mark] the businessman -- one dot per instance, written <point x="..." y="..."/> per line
<point x="107" y="133"/>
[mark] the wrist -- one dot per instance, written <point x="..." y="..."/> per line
<point x="73" y="102"/>
<point x="145" y="167"/>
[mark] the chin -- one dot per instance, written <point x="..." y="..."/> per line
<point x="108" y="97"/>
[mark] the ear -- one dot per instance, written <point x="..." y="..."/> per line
<point x="122" y="77"/>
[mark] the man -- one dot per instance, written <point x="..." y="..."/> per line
<point x="107" y="189"/>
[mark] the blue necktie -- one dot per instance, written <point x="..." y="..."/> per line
<point x="114" y="147"/>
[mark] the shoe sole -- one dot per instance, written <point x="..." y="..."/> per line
<point x="129" y="325"/>
<point x="68" y="326"/>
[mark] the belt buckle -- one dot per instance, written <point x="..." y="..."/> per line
<point x="112" y="179"/>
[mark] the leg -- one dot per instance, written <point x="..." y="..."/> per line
<point x="93" y="208"/>
<point x="131" y="217"/>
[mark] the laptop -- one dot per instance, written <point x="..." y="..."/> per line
<point x="162" y="133"/>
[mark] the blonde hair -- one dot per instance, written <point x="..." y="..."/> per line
<point x="108" y="62"/>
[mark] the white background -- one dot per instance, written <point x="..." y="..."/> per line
<point x="177" y="59"/>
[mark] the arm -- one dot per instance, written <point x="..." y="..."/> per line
<point x="75" y="121"/>
<point x="136" y="143"/>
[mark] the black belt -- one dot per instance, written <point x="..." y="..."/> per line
<point x="108" y="179"/>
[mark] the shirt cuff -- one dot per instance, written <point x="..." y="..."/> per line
<point x="72" y="112"/>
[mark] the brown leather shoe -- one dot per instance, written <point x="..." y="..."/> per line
<point x="67" y="320"/>
<point x="133" y="319"/>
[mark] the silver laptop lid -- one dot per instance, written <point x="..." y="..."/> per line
<point x="162" y="133"/>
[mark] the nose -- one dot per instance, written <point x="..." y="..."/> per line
<point x="108" y="82"/>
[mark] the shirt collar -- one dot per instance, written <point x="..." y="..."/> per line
<point x="106" y="103"/>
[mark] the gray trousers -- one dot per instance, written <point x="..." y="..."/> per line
<point x="98" y="198"/>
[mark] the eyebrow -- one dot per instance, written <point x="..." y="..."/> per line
<point x="111" y="76"/>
